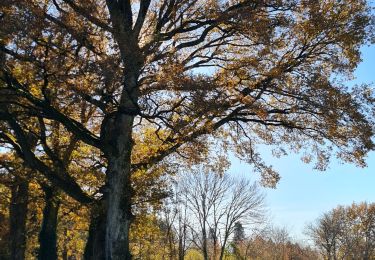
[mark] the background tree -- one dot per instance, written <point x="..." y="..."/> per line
<point x="269" y="79"/>
<point x="361" y="220"/>
<point x="238" y="239"/>
<point x="15" y="178"/>
<point x="217" y="204"/>
<point x="326" y="233"/>
<point x="4" y="231"/>
<point x="345" y="232"/>
<point x="176" y="221"/>
<point x="275" y="243"/>
<point x="238" y="233"/>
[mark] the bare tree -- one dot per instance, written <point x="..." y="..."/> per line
<point x="175" y="218"/>
<point x="216" y="203"/>
<point x="280" y="239"/>
<point x="325" y="233"/>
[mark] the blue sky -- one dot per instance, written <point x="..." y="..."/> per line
<point x="303" y="194"/>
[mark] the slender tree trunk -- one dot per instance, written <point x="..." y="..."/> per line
<point x="181" y="253"/>
<point x="181" y="246"/>
<point x="18" y="217"/>
<point x="64" y="253"/>
<point x="47" y="235"/>
<point x="171" y="246"/>
<point x="95" y="246"/>
<point x="222" y="251"/>
<point x="205" y="245"/>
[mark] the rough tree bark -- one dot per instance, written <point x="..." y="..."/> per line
<point x="95" y="246"/>
<point x="18" y="217"/>
<point x="47" y="235"/>
<point x="119" y="215"/>
<point x="116" y="135"/>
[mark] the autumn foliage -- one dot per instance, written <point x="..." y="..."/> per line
<point x="102" y="101"/>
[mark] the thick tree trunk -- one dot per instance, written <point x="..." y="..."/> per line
<point x="47" y="235"/>
<point x="95" y="246"/>
<point x="116" y="135"/>
<point x="18" y="217"/>
<point x="118" y="147"/>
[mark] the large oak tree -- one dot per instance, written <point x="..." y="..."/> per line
<point x="199" y="73"/>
